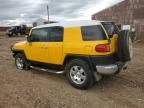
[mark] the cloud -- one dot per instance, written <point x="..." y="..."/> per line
<point x="27" y="11"/>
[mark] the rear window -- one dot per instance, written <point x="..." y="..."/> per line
<point x="111" y="28"/>
<point x="91" y="33"/>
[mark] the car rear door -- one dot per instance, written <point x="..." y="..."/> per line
<point x="55" y="44"/>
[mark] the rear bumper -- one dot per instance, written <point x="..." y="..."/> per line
<point x="111" y="68"/>
<point x="107" y="69"/>
<point x="107" y="65"/>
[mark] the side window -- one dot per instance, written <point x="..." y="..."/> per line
<point x="39" y="35"/>
<point x="92" y="33"/>
<point x="56" y="34"/>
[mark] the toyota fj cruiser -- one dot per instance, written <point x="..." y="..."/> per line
<point x="83" y="50"/>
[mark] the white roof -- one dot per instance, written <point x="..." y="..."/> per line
<point x="71" y="24"/>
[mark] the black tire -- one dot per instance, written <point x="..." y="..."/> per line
<point x="10" y="35"/>
<point x="89" y="81"/>
<point x="25" y="63"/>
<point x="124" y="45"/>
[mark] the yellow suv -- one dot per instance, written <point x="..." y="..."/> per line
<point x="83" y="50"/>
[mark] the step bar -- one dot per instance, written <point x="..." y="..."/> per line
<point x="47" y="70"/>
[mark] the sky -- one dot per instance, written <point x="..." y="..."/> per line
<point x="14" y="12"/>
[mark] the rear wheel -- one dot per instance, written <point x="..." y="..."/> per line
<point x="79" y="74"/>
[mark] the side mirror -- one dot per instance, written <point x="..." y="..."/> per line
<point x="28" y="38"/>
<point x="26" y="35"/>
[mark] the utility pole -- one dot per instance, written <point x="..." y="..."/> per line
<point x="48" y="12"/>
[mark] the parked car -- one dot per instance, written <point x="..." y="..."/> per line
<point x="83" y="50"/>
<point x="15" y="30"/>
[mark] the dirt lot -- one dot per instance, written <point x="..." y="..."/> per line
<point x="36" y="89"/>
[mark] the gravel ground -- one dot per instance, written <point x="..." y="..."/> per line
<point x="36" y="89"/>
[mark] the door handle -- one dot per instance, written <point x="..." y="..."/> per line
<point x="44" y="47"/>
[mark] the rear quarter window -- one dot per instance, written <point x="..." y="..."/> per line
<point x="92" y="33"/>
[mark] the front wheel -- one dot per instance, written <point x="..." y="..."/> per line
<point x="79" y="74"/>
<point x="21" y="62"/>
<point x="10" y="35"/>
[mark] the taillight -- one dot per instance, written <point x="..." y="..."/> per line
<point x="103" y="48"/>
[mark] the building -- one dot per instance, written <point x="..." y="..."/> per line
<point x="41" y="21"/>
<point x="3" y="28"/>
<point x="127" y="12"/>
